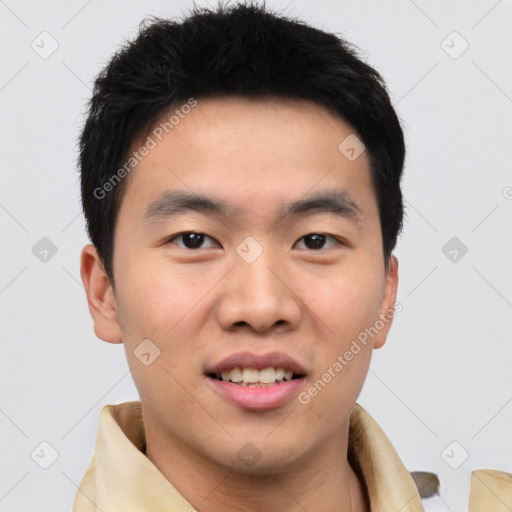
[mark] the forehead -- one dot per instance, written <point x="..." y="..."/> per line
<point x="253" y="153"/>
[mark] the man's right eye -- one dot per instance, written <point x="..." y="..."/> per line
<point x="191" y="239"/>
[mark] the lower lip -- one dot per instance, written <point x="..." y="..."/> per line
<point x="257" y="398"/>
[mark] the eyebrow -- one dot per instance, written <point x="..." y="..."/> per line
<point x="173" y="203"/>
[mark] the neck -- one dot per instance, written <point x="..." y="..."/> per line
<point x="325" y="481"/>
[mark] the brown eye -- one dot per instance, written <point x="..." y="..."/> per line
<point x="316" y="241"/>
<point x="191" y="240"/>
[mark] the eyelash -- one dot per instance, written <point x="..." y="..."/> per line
<point x="178" y="235"/>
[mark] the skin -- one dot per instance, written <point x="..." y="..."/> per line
<point x="200" y="305"/>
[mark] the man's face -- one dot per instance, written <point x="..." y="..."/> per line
<point x="250" y="280"/>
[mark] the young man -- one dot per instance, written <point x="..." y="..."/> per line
<point x="241" y="184"/>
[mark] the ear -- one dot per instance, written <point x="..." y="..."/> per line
<point x="388" y="308"/>
<point x="100" y="296"/>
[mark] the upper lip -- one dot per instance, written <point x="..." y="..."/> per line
<point x="257" y="361"/>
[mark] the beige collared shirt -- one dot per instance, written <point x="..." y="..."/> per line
<point x="121" y="478"/>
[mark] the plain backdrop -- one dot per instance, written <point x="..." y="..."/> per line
<point x="441" y="387"/>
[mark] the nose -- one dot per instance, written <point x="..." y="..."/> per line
<point x="260" y="296"/>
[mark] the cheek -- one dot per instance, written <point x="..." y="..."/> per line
<point x="338" y="381"/>
<point x="346" y="302"/>
<point x="156" y="297"/>
<point x="158" y="303"/>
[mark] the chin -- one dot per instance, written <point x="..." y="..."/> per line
<point x="259" y="457"/>
<point x="262" y="468"/>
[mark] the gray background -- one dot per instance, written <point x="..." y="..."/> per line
<point x="444" y="374"/>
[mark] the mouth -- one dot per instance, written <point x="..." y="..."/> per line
<point x="252" y="381"/>
<point x="254" y="378"/>
<point x="251" y="369"/>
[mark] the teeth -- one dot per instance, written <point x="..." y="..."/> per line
<point x="267" y="375"/>
<point x="251" y="375"/>
<point x="236" y="375"/>
<point x="246" y="376"/>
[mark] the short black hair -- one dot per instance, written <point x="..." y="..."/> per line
<point x="231" y="50"/>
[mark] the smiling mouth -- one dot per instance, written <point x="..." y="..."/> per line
<point x="252" y="377"/>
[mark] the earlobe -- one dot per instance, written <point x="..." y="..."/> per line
<point x="387" y="310"/>
<point x="100" y="297"/>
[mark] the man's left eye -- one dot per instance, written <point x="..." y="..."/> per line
<point x="316" y="241"/>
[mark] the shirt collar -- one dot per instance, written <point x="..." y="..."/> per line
<point x="121" y="477"/>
